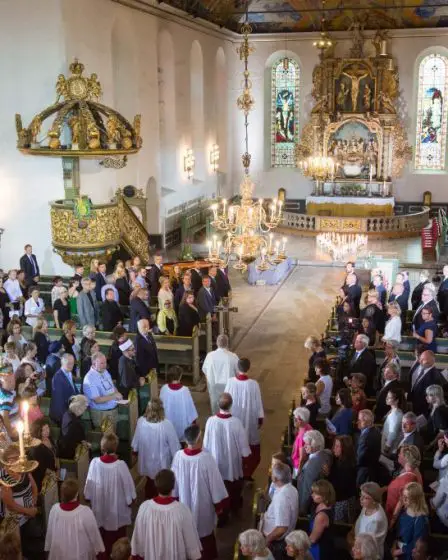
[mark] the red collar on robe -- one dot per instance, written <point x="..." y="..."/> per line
<point x="108" y="459"/>
<point x="223" y="415"/>
<point x="192" y="452"/>
<point x="70" y="506"/>
<point x="242" y="377"/>
<point x="164" y="500"/>
<point x="175" y="386"/>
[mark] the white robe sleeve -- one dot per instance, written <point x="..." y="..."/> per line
<point x="92" y="532"/>
<point x="243" y="442"/>
<point x="176" y="471"/>
<point x="216" y="483"/>
<point x="193" y="545"/>
<point x="135" y="439"/>
<point x="127" y="483"/>
<point x="50" y="524"/>
<point x="259" y="405"/>
<point x="138" y="535"/>
<point x="192" y="413"/>
<point x="173" y="440"/>
<point x="206" y="440"/>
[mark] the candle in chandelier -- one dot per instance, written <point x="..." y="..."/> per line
<point x="277" y="247"/>
<point x="284" y="244"/>
<point x="280" y="204"/>
<point x="371" y="173"/>
<point x="272" y="212"/>
<point x="26" y="425"/>
<point x="263" y="254"/>
<point x="209" y="245"/>
<point x="231" y="214"/>
<point x="250" y="214"/>
<point x="224" y="202"/>
<point x="214" y="242"/>
<point x="219" y="247"/>
<point x="271" y="235"/>
<point x="214" y="207"/>
<point x="19" y="428"/>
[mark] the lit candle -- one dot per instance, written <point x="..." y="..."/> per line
<point x="260" y="201"/>
<point x="224" y="202"/>
<point x="219" y="247"/>
<point x="284" y="244"/>
<point x="214" y="242"/>
<point x="19" y="428"/>
<point x="371" y="173"/>
<point x="26" y="407"/>
<point x="277" y="246"/>
<point x="231" y="211"/>
<point x="214" y="207"/>
<point x="263" y="254"/>
<point x="272" y="212"/>
<point x="250" y="213"/>
<point x="271" y="235"/>
<point x="280" y="204"/>
<point x="209" y="245"/>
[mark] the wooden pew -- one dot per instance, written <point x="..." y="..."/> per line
<point x="78" y="467"/>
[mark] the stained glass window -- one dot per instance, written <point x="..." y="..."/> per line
<point x="431" y="113"/>
<point x="284" y="112"/>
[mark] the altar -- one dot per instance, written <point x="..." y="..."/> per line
<point x="350" y="206"/>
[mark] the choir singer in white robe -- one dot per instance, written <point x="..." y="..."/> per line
<point x="199" y="486"/>
<point x="225" y="438"/>
<point x="156" y="442"/>
<point x="178" y="402"/>
<point x="248" y="407"/>
<point x="164" y="528"/>
<point x="111" y="491"/>
<point x="219" y="366"/>
<point x="72" y="532"/>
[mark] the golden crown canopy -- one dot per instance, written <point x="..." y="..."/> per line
<point x="77" y="124"/>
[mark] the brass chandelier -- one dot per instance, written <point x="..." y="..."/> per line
<point x="247" y="223"/>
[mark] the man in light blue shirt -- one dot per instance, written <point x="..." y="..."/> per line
<point x="98" y="387"/>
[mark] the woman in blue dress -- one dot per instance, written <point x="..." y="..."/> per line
<point x="411" y="515"/>
<point x="343" y="418"/>
<point x="321" y="522"/>
<point x="427" y="331"/>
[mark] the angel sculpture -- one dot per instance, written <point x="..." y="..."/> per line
<point x="94" y="86"/>
<point x="61" y="87"/>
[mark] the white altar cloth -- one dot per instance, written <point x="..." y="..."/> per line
<point x="376" y="200"/>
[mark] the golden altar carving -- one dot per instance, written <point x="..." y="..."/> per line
<point x="354" y="119"/>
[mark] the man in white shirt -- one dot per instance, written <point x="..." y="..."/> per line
<point x="164" y="528"/>
<point x="281" y="516"/>
<point x="178" y="402"/>
<point x="248" y="407"/>
<point x="99" y="388"/>
<point x="12" y="288"/>
<point x="201" y="488"/>
<point x="226" y="439"/>
<point x="219" y="366"/>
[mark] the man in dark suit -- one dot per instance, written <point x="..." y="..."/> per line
<point x="354" y="292"/>
<point x="391" y="375"/>
<point x="363" y="361"/>
<point x="184" y="287"/>
<point x="155" y="272"/>
<point x="52" y="363"/>
<point x="411" y="435"/>
<point x="398" y="295"/>
<point x="428" y="300"/>
<point x="416" y="297"/>
<point x="212" y="272"/>
<point x="223" y="283"/>
<point x="100" y="280"/>
<point x="28" y="263"/>
<point x="79" y="275"/>
<point x="111" y="312"/>
<point x="138" y="309"/>
<point x="422" y="377"/>
<point x="63" y="388"/>
<point x="146" y="355"/>
<point x="205" y="299"/>
<point x="379" y="287"/>
<point x="196" y="277"/>
<point x="368" y="449"/>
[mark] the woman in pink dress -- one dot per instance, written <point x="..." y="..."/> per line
<point x="301" y="418"/>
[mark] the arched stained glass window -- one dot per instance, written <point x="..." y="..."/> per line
<point x="285" y="82"/>
<point x="430" y="142"/>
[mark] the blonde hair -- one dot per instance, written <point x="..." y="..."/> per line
<point x="155" y="411"/>
<point x="311" y="342"/>
<point x="394" y="305"/>
<point x="325" y="490"/>
<point x="416" y="496"/>
<point x="39" y="324"/>
<point x="68" y="325"/>
<point x="94" y="265"/>
<point x="411" y="455"/>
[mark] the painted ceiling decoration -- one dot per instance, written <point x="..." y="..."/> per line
<point x="304" y="15"/>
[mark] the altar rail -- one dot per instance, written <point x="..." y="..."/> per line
<point x="387" y="226"/>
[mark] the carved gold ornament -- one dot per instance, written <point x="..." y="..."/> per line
<point x="76" y="124"/>
<point x="401" y="150"/>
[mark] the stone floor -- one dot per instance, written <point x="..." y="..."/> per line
<point x="270" y="328"/>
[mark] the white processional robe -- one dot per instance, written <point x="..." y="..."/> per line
<point x="226" y="439"/>
<point x="165" y="532"/>
<point x="247" y="405"/>
<point x="179" y="408"/>
<point x="110" y="490"/>
<point x="199" y="486"/>
<point x="219" y="366"/>
<point x="156" y="445"/>
<point x="72" y="535"/>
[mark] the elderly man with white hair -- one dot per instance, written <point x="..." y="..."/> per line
<point x="368" y="450"/>
<point x="281" y="516"/>
<point x="363" y="361"/>
<point x="428" y="300"/>
<point x="318" y="461"/>
<point x="219" y="366"/>
<point x="100" y="390"/>
<point x="253" y="545"/>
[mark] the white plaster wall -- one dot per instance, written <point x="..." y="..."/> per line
<point x="38" y="40"/>
<point x="404" y="46"/>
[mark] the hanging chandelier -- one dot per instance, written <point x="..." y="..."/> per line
<point x="341" y="245"/>
<point x="247" y="223"/>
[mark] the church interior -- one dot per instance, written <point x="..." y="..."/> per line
<point x="234" y="213"/>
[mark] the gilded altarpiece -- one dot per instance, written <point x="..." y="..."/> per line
<point x="354" y="120"/>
